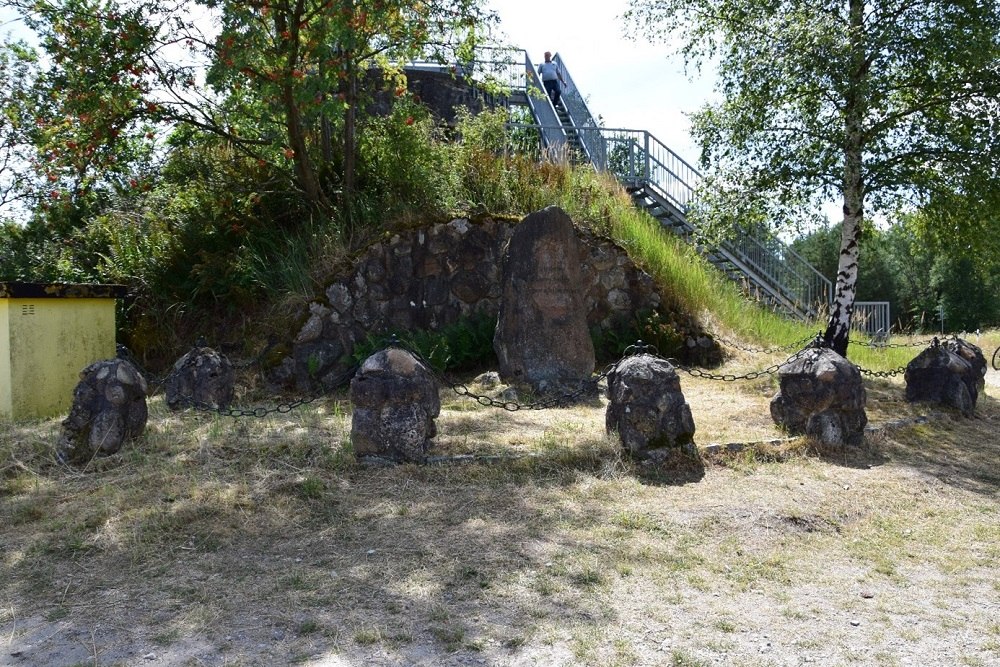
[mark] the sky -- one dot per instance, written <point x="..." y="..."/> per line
<point x="631" y="84"/>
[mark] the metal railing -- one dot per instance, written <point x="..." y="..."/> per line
<point x="872" y="317"/>
<point x="584" y="125"/>
<point x="641" y="162"/>
<point x="791" y="279"/>
<point x="637" y="159"/>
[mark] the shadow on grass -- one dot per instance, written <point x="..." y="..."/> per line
<point x="959" y="451"/>
<point x="269" y="549"/>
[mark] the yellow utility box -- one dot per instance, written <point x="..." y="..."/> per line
<point x="48" y="334"/>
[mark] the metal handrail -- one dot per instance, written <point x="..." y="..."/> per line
<point x="583" y="121"/>
<point x="641" y="161"/>
<point x="553" y="132"/>
<point x="871" y="317"/>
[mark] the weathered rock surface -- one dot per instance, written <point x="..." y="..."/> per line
<point x="821" y="395"/>
<point x="201" y="378"/>
<point x="950" y="373"/>
<point x="109" y="409"/>
<point x="541" y="337"/>
<point x="648" y="411"/>
<point x="395" y="402"/>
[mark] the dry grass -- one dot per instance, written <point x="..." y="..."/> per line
<point x="261" y="542"/>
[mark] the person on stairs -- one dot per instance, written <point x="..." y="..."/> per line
<point x="551" y="78"/>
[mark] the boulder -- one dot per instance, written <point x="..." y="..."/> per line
<point x="648" y="411"/>
<point x="109" y="409"/>
<point x="395" y="402"/>
<point x="950" y="373"/>
<point x="201" y="378"/>
<point x="542" y="339"/>
<point x="821" y="395"/>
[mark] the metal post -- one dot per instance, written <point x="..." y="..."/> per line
<point x="647" y="171"/>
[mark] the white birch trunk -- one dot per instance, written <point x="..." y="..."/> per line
<point x="837" y="336"/>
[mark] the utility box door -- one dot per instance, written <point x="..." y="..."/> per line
<point x="46" y="339"/>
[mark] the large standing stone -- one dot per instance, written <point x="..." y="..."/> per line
<point x="541" y="337"/>
<point x="821" y="395"/>
<point x="395" y="402"/>
<point x="109" y="409"/>
<point x="647" y="409"/>
<point x="951" y="373"/>
<point x="201" y="378"/>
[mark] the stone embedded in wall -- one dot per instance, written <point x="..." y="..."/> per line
<point x="202" y="378"/>
<point x="432" y="277"/>
<point x="951" y="373"/>
<point x="395" y="402"/>
<point x="647" y="410"/>
<point x="821" y="395"/>
<point x="542" y="339"/>
<point x="109" y="409"/>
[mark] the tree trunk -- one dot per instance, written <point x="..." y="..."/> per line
<point x="350" y="138"/>
<point x="350" y="90"/>
<point x="305" y="171"/>
<point x="837" y="336"/>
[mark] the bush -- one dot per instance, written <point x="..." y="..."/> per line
<point x="464" y="345"/>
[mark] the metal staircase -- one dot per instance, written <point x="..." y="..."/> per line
<point x="664" y="185"/>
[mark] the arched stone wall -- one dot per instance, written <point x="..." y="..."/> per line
<point x="434" y="276"/>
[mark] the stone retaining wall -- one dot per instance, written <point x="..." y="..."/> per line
<point x="432" y="277"/>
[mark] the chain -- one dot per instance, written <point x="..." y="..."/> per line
<point x="881" y="374"/>
<point x="201" y="406"/>
<point x="879" y="345"/>
<point x="932" y="343"/>
<point x="731" y="377"/>
<point x="154" y="383"/>
<point x="756" y="350"/>
<point x="589" y="387"/>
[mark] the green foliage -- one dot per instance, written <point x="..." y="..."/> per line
<point x="918" y="279"/>
<point x="496" y="178"/>
<point x="464" y="345"/>
<point x="18" y="68"/>
<point x="93" y="123"/>
<point x="404" y="168"/>
<point x="294" y="67"/>
<point x="665" y="335"/>
<point x="876" y="102"/>
<point x="969" y="298"/>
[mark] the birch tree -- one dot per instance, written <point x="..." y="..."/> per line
<point x="880" y="104"/>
